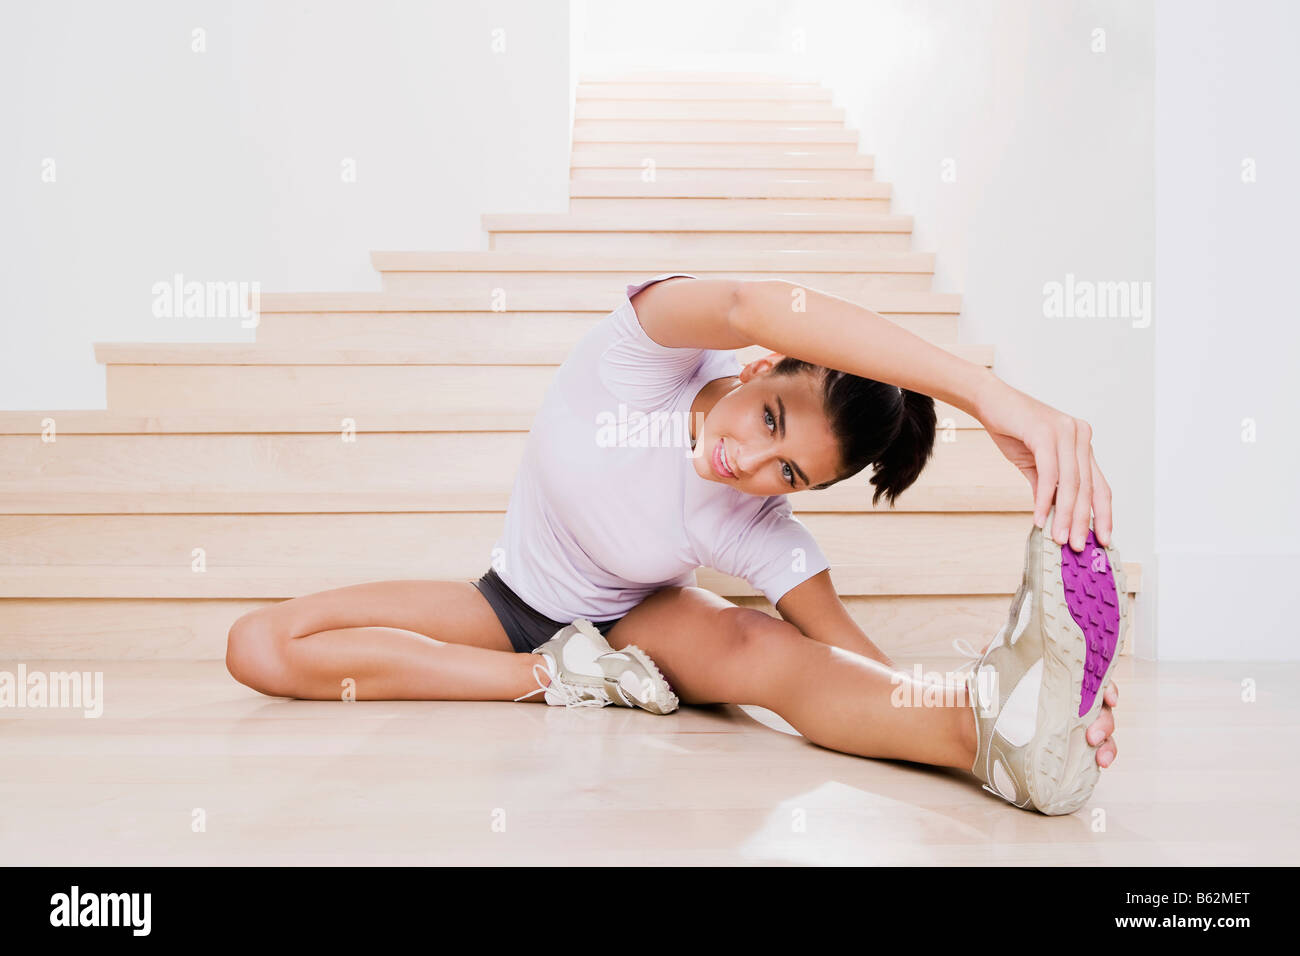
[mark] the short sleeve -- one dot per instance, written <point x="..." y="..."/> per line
<point x="771" y="549"/>
<point x="636" y="368"/>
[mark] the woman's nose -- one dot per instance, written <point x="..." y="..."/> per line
<point x="747" y="462"/>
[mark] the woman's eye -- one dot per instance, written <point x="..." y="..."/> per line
<point x="767" y="414"/>
<point x="789" y="475"/>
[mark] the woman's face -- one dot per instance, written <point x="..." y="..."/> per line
<point x="767" y="435"/>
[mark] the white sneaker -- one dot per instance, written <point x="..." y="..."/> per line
<point x="584" y="671"/>
<point x="1038" y="686"/>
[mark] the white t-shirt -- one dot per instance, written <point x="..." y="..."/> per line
<point x="607" y="507"/>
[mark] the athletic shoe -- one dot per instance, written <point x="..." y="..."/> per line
<point x="584" y="671"/>
<point x="1039" y="684"/>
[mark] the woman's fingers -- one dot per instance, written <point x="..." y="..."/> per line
<point x="1107" y="753"/>
<point x="1045" y="466"/>
<point x="1102" y="727"/>
<point x="1083" y="503"/>
<point x="1111" y="696"/>
<point x="1100" y="504"/>
<point x="1067" y="485"/>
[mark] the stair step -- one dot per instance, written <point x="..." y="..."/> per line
<point x="377" y="320"/>
<point x="777" y="161"/>
<point x="490" y="330"/>
<point x="283" y="555"/>
<point x="635" y="198"/>
<point x="697" y="77"/>
<point x="197" y="628"/>
<point x="350" y="382"/>
<point x="746" y="180"/>
<point x="636" y="267"/>
<point x="790" y="113"/>
<point x="650" y="152"/>
<point x="707" y="132"/>
<point x="654" y="206"/>
<point x="712" y="186"/>
<point x="238" y="354"/>
<point x="651" y="90"/>
<point x="545" y="222"/>
<point x="348" y="391"/>
<point x="624" y="234"/>
<point x="263" y="469"/>
<point x="421" y="273"/>
<point x="885" y="301"/>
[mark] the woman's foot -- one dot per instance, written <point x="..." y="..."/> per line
<point x="580" y="669"/>
<point x="1039" y="684"/>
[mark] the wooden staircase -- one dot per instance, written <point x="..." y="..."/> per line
<point x="376" y="435"/>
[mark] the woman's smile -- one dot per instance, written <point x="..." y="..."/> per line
<point x="720" y="465"/>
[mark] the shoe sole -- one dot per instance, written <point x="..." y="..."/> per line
<point x="646" y="687"/>
<point x="1081" y="615"/>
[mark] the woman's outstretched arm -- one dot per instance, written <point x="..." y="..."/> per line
<point x="1052" y="449"/>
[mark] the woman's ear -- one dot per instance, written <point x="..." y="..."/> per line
<point x="760" y="366"/>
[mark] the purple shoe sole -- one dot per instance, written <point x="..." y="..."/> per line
<point x="1091" y="596"/>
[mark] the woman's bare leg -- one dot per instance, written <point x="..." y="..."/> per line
<point x="713" y="651"/>
<point x="384" y="640"/>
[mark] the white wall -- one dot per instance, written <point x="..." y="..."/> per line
<point x="227" y="165"/>
<point x="1227" y="517"/>
<point x="1051" y="143"/>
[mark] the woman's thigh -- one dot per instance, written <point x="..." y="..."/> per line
<point x="711" y="650"/>
<point x="451" y="611"/>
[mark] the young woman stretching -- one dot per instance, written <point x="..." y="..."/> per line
<point x="655" y="453"/>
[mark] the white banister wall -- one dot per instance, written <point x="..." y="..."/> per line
<point x="302" y="137"/>
<point x="1227" y="406"/>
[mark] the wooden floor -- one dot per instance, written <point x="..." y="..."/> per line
<point x="1202" y="778"/>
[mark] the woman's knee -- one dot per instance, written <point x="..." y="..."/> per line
<point x="759" y="649"/>
<point x="253" y="653"/>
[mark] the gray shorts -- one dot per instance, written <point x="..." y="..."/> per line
<point x="526" y="628"/>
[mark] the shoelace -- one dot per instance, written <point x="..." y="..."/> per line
<point x="569" y="695"/>
<point x="967" y="650"/>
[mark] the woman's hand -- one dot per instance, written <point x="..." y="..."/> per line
<point x="1099" y="732"/>
<point x="1054" y="451"/>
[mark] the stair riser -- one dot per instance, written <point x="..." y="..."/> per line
<point x="723" y="187"/>
<point x="777" y="93"/>
<point x="706" y="132"/>
<point x="276" y="555"/>
<point x="346" y="389"/>
<point x="489" y="287"/>
<point x="385" y="471"/>
<point x="712" y="159"/>
<point x="620" y="243"/>
<point x="720" y="111"/>
<point x="663" y="152"/>
<point x="689" y="206"/>
<point x="488" y="330"/>
<point x="667" y="176"/>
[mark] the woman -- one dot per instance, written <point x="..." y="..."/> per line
<point x="655" y="453"/>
